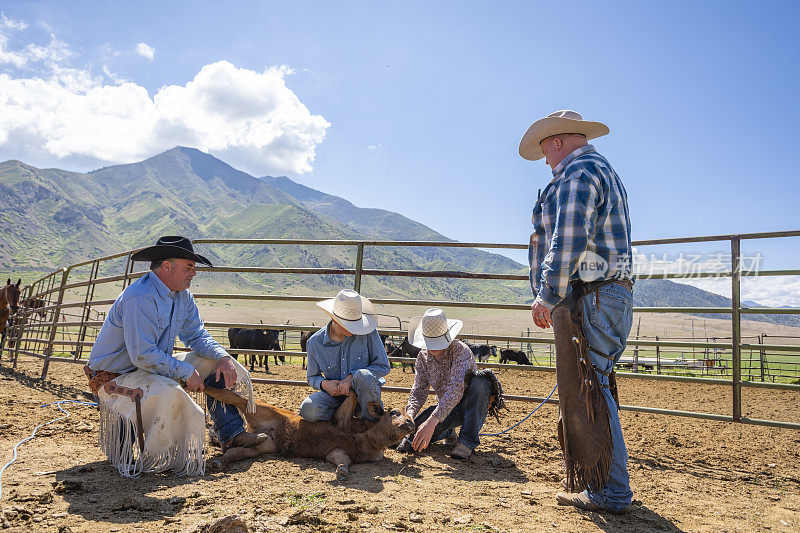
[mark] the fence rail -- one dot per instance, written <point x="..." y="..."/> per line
<point x="47" y="315"/>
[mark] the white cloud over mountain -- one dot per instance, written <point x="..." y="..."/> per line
<point x="54" y="113"/>
<point x="772" y="291"/>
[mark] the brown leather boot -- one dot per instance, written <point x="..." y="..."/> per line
<point x="461" y="452"/>
<point x="579" y="500"/>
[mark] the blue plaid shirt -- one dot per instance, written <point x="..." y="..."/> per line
<point x="584" y="209"/>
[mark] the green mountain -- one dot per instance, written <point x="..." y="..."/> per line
<point x="52" y="218"/>
<point x="61" y="217"/>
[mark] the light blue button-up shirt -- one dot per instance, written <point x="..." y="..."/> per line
<point x="140" y="331"/>
<point x="336" y="360"/>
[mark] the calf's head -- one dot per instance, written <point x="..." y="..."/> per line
<point x="394" y="424"/>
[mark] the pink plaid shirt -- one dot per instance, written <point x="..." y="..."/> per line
<point x="446" y="378"/>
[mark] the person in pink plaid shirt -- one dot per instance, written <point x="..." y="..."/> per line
<point x="443" y="365"/>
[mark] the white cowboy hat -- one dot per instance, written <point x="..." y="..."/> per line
<point x="433" y="330"/>
<point x="353" y="312"/>
<point x="555" y="124"/>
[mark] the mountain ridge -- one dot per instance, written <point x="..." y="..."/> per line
<point x="56" y="217"/>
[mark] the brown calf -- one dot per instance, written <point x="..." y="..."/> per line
<point x="341" y="441"/>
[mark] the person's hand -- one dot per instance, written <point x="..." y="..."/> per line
<point x="344" y="385"/>
<point x="195" y="383"/>
<point x="228" y="371"/>
<point x="541" y="315"/>
<point x="424" y="434"/>
<point x="331" y="386"/>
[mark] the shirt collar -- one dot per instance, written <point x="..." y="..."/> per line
<point x="326" y="339"/>
<point x="160" y="286"/>
<point x="567" y="160"/>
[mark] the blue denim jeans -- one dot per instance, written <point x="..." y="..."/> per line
<point x="607" y="327"/>
<point x="470" y="413"/>
<point x="322" y="406"/>
<point x="227" y="421"/>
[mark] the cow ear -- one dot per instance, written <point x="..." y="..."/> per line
<point x="375" y="409"/>
<point x="18" y="282"/>
<point x="8" y="282"/>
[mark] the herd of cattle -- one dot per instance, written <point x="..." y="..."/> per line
<point x="269" y="339"/>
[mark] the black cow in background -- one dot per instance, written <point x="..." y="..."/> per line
<point x="276" y="344"/>
<point x="482" y="351"/>
<point x="304" y="336"/>
<point x="514" y="355"/>
<point x="255" y="339"/>
<point x="406" y="349"/>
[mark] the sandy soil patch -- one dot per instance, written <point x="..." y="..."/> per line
<point x="686" y="474"/>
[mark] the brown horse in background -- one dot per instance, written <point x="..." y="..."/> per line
<point x="34" y="304"/>
<point x="9" y="304"/>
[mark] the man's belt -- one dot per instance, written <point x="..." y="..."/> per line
<point x="582" y="288"/>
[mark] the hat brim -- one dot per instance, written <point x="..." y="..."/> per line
<point x="367" y="324"/>
<point x="529" y="147"/>
<point x="419" y="340"/>
<point x="166" y="251"/>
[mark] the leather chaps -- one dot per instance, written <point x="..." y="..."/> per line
<point x="584" y="431"/>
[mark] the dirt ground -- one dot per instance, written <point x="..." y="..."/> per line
<point x="686" y="474"/>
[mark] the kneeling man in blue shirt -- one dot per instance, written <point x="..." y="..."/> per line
<point x="346" y="353"/>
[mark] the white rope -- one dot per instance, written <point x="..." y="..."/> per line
<point x="66" y="415"/>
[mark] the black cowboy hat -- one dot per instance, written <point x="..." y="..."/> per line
<point x="172" y="246"/>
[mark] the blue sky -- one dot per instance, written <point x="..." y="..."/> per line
<point x="419" y="107"/>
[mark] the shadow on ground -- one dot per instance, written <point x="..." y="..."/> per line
<point x="96" y="491"/>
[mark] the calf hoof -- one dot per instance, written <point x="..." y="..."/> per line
<point x="342" y="472"/>
<point x="215" y="465"/>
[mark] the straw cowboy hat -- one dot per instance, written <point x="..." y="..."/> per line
<point x="173" y="246"/>
<point x="555" y="124"/>
<point x="433" y="331"/>
<point x="352" y="311"/>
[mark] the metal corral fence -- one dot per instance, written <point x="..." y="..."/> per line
<point x="58" y="313"/>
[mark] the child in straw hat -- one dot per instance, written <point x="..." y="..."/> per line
<point x="346" y="353"/>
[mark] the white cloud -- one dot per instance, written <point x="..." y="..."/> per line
<point x="146" y="51"/>
<point x="11" y="24"/>
<point x="49" y="54"/>
<point x="772" y="291"/>
<point x="68" y="116"/>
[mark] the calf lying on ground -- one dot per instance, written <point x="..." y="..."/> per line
<point x="341" y="441"/>
<point x="514" y="355"/>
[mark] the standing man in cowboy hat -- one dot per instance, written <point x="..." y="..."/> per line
<point x="443" y="364"/>
<point x="580" y="258"/>
<point x="140" y="329"/>
<point x="346" y="353"/>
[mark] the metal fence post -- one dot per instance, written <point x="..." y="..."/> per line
<point x="359" y="261"/>
<point x="658" y="357"/>
<point x="54" y="327"/>
<point x="736" y="327"/>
